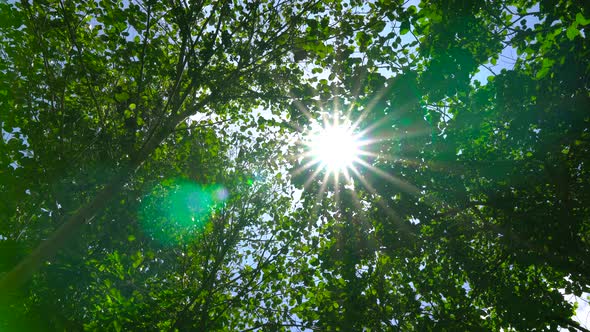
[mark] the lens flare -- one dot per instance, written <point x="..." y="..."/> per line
<point x="175" y="210"/>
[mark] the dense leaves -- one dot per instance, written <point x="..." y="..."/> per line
<point x="151" y="176"/>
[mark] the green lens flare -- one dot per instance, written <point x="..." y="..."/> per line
<point x="176" y="210"/>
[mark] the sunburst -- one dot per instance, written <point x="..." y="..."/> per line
<point x="335" y="148"/>
<point x="345" y="150"/>
<point x="338" y="154"/>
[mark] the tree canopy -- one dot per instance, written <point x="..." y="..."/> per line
<point x="154" y="173"/>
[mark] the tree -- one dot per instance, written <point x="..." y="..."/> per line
<point x="167" y="129"/>
<point x="111" y="82"/>
<point x="102" y="94"/>
<point x="485" y="219"/>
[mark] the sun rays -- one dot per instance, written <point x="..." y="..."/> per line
<point x="335" y="148"/>
<point x="342" y="151"/>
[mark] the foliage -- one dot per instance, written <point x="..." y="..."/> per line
<point x="149" y="179"/>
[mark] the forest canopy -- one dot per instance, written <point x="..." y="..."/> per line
<point x="229" y="165"/>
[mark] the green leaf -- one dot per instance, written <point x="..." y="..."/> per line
<point x="581" y="20"/>
<point x="120" y="97"/>
<point x="572" y="31"/>
<point x="545" y="68"/>
<point x="132" y="106"/>
<point x="379" y="26"/>
<point x="404" y="28"/>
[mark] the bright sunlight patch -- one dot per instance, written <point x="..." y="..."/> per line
<point x="335" y="148"/>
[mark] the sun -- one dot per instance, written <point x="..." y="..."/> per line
<point x="335" y="148"/>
